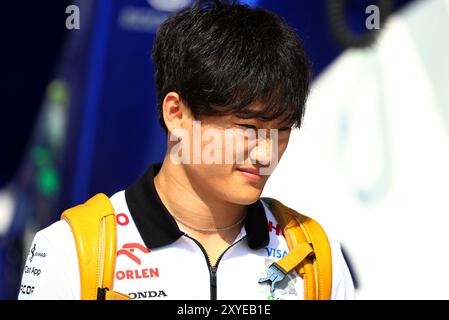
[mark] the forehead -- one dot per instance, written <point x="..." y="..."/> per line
<point x="229" y="120"/>
<point x="259" y="112"/>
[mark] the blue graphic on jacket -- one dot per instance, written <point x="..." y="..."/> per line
<point x="275" y="253"/>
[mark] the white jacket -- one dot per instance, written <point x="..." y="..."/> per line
<point x="157" y="260"/>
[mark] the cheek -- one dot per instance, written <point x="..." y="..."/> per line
<point x="282" y="146"/>
<point x="217" y="180"/>
<point x="235" y="146"/>
<point x="217" y="172"/>
<point x="211" y="178"/>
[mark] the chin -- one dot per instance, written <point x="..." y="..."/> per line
<point x="246" y="196"/>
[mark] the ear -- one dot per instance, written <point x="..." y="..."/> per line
<point x="174" y="111"/>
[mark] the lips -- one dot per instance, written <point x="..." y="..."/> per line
<point x="251" y="174"/>
<point x="250" y="170"/>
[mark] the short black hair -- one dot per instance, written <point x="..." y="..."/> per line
<point x="222" y="56"/>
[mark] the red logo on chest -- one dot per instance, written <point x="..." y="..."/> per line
<point x="137" y="274"/>
<point x="128" y="250"/>
<point x="271" y="227"/>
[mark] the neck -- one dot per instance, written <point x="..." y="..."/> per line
<point x="191" y="204"/>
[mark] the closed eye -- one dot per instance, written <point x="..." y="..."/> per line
<point x="248" y="126"/>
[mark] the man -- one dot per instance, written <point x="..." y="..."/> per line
<point x="232" y="81"/>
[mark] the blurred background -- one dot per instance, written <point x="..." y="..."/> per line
<point x="78" y="117"/>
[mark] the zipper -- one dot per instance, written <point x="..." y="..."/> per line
<point x="101" y="292"/>
<point x="213" y="282"/>
<point x="213" y="269"/>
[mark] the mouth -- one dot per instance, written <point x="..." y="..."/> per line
<point x="251" y="174"/>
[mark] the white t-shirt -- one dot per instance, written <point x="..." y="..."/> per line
<point x="157" y="260"/>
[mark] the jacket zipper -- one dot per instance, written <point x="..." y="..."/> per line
<point x="213" y="269"/>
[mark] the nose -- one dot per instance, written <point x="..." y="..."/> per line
<point x="262" y="151"/>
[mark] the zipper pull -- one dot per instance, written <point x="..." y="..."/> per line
<point x="213" y="276"/>
<point x="101" y="293"/>
<point x="213" y="283"/>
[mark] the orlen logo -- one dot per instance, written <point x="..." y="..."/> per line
<point x="128" y="250"/>
<point x="137" y="274"/>
<point x="169" y="5"/>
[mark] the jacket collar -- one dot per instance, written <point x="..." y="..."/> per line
<point x="158" y="228"/>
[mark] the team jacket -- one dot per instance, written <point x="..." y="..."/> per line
<point x="158" y="260"/>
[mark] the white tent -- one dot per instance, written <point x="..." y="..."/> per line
<point x="371" y="162"/>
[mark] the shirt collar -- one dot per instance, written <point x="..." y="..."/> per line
<point x="158" y="228"/>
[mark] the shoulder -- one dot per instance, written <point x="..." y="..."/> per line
<point x="57" y="241"/>
<point x="59" y="230"/>
<point x="57" y="238"/>
<point x="59" y="234"/>
<point x="51" y="267"/>
<point x="118" y="201"/>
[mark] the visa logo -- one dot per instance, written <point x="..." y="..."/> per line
<point x="276" y="253"/>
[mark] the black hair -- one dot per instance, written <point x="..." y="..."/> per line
<point x="222" y="56"/>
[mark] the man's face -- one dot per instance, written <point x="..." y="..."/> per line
<point x="230" y="158"/>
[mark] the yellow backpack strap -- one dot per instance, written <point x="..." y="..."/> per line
<point x="93" y="227"/>
<point x="309" y="252"/>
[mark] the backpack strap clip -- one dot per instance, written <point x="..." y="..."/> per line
<point x="310" y="252"/>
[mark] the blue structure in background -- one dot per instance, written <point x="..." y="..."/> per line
<point x="99" y="128"/>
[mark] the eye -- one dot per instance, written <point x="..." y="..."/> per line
<point x="248" y="126"/>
